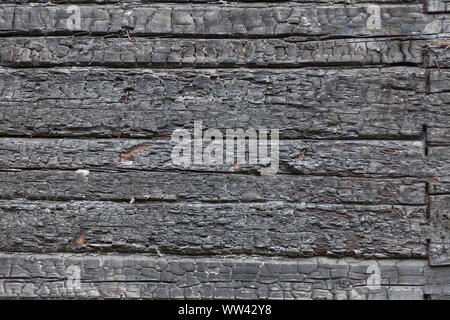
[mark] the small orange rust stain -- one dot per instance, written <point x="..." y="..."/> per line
<point x="390" y="152"/>
<point x="128" y="156"/>
<point x="350" y="184"/>
<point x="80" y="240"/>
<point x="432" y="180"/>
<point x="443" y="43"/>
<point x="303" y="192"/>
<point x="237" y="165"/>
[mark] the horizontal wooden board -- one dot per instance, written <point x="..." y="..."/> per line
<point x="252" y="19"/>
<point x="439" y="53"/>
<point x="274" y="228"/>
<point x="438" y="112"/>
<point x="440" y="82"/>
<point x="139" y="277"/>
<point x="437" y="6"/>
<point x="142" y="185"/>
<point x="437" y="163"/>
<point x="438" y="102"/>
<point x="440" y="185"/>
<point x="204" y="1"/>
<point x="343" y="158"/>
<point x="300" y="103"/>
<point x="172" y="53"/>
<point x="92" y="91"/>
<point x="439" y="253"/>
<point x="439" y="135"/>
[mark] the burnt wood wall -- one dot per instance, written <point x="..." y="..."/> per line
<point x="91" y="205"/>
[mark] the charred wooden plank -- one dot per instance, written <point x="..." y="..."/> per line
<point x="439" y="54"/>
<point x="268" y="229"/>
<point x="439" y="136"/>
<point x="200" y="53"/>
<point x="437" y="163"/>
<point x="433" y="6"/>
<point x="439" y="253"/>
<point x="173" y="186"/>
<point x="206" y="1"/>
<point x="438" y="112"/>
<point x="346" y="158"/>
<point x="137" y="277"/>
<point x="440" y="82"/>
<point x="240" y="20"/>
<point x="304" y="103"/>
<point x="440" y="185"/>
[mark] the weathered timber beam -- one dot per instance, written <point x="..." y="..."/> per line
<point x="143" y="185"/>
<point x="433" y="6"/>
<point x="269" y="229"/>
<point x="201" y="53"/>
<point x="134" y="277"/>
<point x="210" y="1"/>
<point x="439" y="136"/>
<point x="332" y="157"/>
<point x="440" y="185"/>
<point x="438" y="52"/>
<point x="239" y="20"/>
<point x="303" y="103"/>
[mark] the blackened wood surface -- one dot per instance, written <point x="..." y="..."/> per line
<point x="239" y="19"/>
<point x="371" y="103"/>
<point x="92" y="206"/>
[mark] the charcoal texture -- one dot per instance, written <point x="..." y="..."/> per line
<point x="94" y="206"/>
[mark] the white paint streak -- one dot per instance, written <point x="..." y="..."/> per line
<point x="84" y="172"/>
